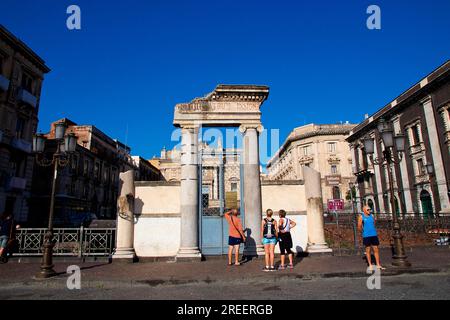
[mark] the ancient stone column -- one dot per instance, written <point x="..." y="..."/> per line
<point x="189" y="242"/>
<point x="125" y="218"/>
<point x="314" y="210"/>
<point x="252" y="190"/>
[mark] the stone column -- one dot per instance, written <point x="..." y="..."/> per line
<point x="189" y="205"/>
<point x="314" y="210"/>
<point x="252" y="190"/>
<point x="435" y="149"/>
<point x="125" y="218"/>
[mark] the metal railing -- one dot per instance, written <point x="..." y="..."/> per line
<point x="417" y="229"/>
<point x="78" y="242"/>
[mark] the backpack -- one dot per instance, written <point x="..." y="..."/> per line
<point x="269" y="229"/>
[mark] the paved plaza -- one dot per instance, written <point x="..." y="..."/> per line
<point x="320" y="277"/>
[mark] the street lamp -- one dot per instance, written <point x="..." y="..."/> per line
<point x="389" y="157"/>
<point x="65" y="146"/>
<point x="430" y="168"/>
<point x="351" y="185"/>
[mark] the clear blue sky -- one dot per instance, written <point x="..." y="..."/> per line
<point x="134" y="60"/>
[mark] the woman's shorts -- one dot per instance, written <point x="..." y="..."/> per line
<point x="232" y="241"/>
<point x="269" y="241"/>
<point x="4" y="241"/>
<point x="285" y="243"/>
<point x="371" y="241"/>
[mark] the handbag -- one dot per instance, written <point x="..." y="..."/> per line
<point x="240" y="235"/>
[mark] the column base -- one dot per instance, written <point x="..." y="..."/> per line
<point x="124" y="255"/>
<point x="189" y="254"/>
<point x="318" y="248"/>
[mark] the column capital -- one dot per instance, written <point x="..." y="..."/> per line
<point x="245" y="126"/>
<point x="425" y="99"/>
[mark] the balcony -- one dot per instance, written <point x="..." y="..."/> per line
<point x="17" y="183"/>
<point x="422" y="178"/>
<point x="26" y="97"/>
<point x="4" y="83"/>
<point x="21" y="145"/>
<point x="418" y="148"/>
<point x="306" y="160"/>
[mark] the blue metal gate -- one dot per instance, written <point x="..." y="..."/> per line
<point x="220" y="189"/>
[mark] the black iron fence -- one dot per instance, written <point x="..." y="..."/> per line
<point x="417" y="229"/>
<point x="78" y="242"/>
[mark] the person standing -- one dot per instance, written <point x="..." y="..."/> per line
<point x="366" y="225"/>
<point x="269" y="230"/>
<point x="285" y="240"/>
<point x="235" y="236"/>
<point x="6" y="232"/>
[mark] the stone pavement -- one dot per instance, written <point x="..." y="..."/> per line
<point x="423" y="259"/>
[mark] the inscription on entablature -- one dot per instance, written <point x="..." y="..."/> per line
<point x="218" y="106"/>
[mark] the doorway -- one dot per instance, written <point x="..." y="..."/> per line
<point x="220" y="189"/>
<point x="426" y="203"/>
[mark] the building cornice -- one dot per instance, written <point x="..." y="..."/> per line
<point x="320" y="130"/>
<point x="20" y="46"/>
<point x="418" y="92"/>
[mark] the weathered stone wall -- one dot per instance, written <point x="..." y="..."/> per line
<point x="157" y="219"/>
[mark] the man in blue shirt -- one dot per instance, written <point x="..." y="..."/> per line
<point x="366" y="225"/>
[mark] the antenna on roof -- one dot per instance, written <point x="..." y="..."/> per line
<point x="126" y="136"/>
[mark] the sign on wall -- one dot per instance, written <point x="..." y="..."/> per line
<point x="335" y="204"/>
<point x="333" y="180"/>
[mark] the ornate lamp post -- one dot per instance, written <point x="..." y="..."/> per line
<point x="61" y="158"/>
<point x="388" y="158"/>
<point x="351" y="186"/>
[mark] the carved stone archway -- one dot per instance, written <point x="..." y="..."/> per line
<point x="233" y="106"/>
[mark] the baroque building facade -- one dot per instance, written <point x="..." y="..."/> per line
<point x="422" y="114"/>
<point x="22" y="74"/>
<point x="320" y="147"/>
<point x="169" y="164"/>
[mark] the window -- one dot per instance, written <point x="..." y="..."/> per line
<point x="18" y="166"/>
<point x="234" y="186"/>
<point x="334" y="169"/>
<point x="27" y="82"/>
<point x="20" y="126"/>
<point x="74" y="163"/>
<point x="306" y="150"/>
<point x="331" y="147"/>
<point x="97" y="170"/>
<point x="416" y="134"/>
<point x="114" y="175"/>
<point x="86" y="167"/>
<point x="336" y="192"/>
<point x="420" y="167"/>
<point x="106" y="174"/>
<point x="86" y="191"/>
